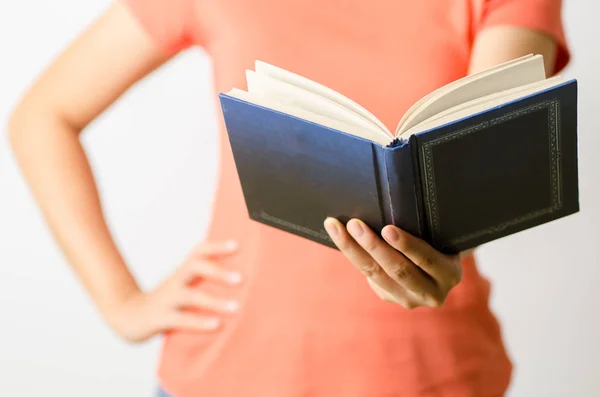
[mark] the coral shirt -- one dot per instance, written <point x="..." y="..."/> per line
<point x="309" y="325"/>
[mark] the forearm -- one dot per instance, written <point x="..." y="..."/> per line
<point x="502" y="43"/>
<point x="55" y="165"/>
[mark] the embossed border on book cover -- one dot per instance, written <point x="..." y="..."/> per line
<point x="430" y="197"/>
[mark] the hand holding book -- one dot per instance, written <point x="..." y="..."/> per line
<point x="399" y="267"/>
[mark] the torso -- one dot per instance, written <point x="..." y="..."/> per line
<point x="309" y="324"/>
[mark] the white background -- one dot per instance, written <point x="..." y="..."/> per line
<point x="154" y="156"/>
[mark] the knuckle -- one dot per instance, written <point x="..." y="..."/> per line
<point x="429" y="262"/>
<point x="371" y="269"/>
<point x="401" y="271"/>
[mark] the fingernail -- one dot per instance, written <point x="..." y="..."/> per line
<point x="331" y="227"/>
<point x="391" y="234"/>
<point x="355" y="228"/>
<point x="232" y="306"/>
<point x="234" y="278"/>
<point x="231" y="245"/>
<point x="213" y="323"/>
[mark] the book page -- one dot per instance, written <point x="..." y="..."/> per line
<point x="421" y="102"/>
<point x="289" y="93"/>
<point x="310" y="116"/>
<point x="482" y="104"/>
<point x="295" y="96"/>
<point x="519" y="72"/>
<point x="319" y="89"/>
<point x="493" y="97"/>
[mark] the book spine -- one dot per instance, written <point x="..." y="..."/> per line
<point x="383" y="183"/>
<point x="404" y="193"/>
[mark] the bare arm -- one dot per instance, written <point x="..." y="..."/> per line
<point x="113" y="54"/>
<point x="499" y="44"/>
<point x="44" y="130"/>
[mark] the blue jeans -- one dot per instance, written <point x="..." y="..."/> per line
<point x="161" y="393"/>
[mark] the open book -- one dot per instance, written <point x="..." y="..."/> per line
<point x="287" y="92"/>
<point x="480" y="158"/>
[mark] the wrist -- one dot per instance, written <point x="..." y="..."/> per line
<point x="112" y="306"/>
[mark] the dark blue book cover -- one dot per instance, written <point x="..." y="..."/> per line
<point x="457" y="186"/>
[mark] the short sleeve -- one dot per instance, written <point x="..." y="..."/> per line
<point x="544" y="16"/>
<point x="170" y="23"/>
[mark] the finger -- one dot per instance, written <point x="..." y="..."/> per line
<point x="441" y="267"/>
<point x="399" y="297"/>
<point x="217" y="249"/>
<point x="199" y="300"/>
<point x="396" y="265"/>
<point x="208" y="270"/>
<point x="193" y="322"/>
<point x="357" y="255"/>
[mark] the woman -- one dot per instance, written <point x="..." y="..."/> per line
<point x="254" y="311"/>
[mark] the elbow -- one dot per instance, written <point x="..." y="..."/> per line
<point x="20" y="122"/>
<point x="35" y="125"/>
<point x="26" y="122"/>
<point x="17" y="124"/>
